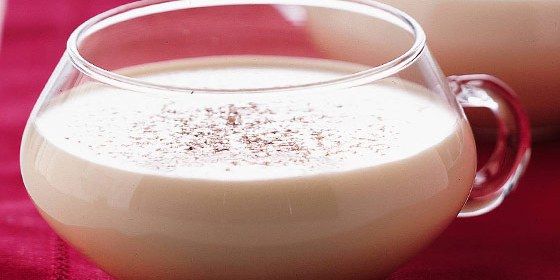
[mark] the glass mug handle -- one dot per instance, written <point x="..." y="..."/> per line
<point x="511" y="154"/>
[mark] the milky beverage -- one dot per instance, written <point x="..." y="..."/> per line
<point x="321" y="184"/>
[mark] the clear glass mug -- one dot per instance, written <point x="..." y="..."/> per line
<point x="220" y="139"/>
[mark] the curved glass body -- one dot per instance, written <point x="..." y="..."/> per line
<point x="220" y="139"/>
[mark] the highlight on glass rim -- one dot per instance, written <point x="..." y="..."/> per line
<point x="279" y="139"/>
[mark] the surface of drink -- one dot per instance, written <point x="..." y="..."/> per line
<point x="516" y="41"/>
<point x="323" y="184"/>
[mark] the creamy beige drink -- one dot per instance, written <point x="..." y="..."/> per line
<point x="517" y="41"/>
<point x="313" y="185"/>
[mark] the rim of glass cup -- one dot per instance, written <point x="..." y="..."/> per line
<point x="149" y="7"/>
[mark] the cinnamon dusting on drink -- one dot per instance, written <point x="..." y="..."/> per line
<point x="302" y="133"/>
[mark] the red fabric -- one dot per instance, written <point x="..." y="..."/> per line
<point x="519" y="240"/>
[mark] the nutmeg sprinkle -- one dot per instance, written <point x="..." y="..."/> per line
<point x="222" y="134"/>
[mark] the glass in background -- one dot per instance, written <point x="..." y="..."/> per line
<point x="2" y="13"/>
<point x="517" y="41"/>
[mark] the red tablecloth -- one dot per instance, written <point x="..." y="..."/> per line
<point x="519" y="240"/>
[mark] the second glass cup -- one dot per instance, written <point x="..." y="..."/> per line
<point x="222" y="139"/>
<point x="2" y="14"/>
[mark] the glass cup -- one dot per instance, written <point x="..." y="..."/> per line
<point x="222" y="139"/>
<point x="2" y="13"/>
